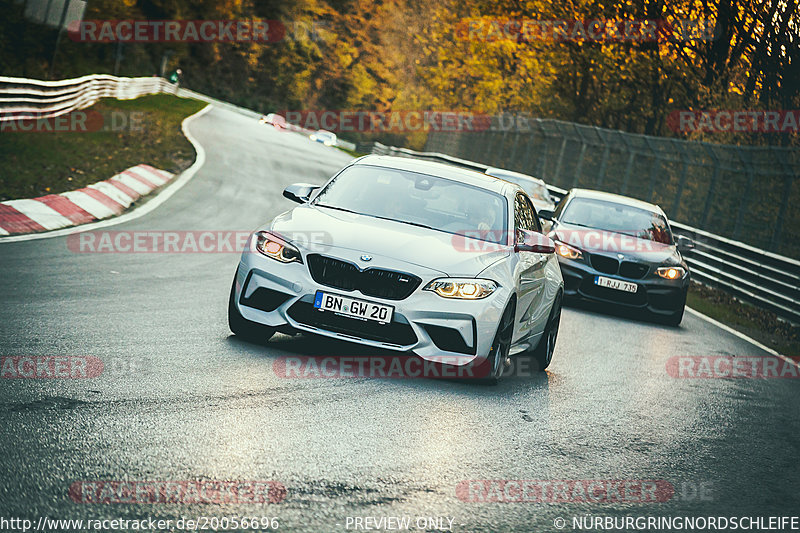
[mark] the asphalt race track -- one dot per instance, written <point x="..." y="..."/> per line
<point x="182" y="399"/>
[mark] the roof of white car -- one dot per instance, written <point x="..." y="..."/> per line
<point x="616" y="198"/>
<point x="501" y="172"/>
<point x="441" y="170"/>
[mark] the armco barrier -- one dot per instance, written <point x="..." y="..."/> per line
<point x="762" y="278"/>
<point x="24" y="99"/>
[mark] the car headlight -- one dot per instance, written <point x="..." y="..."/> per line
<point x="276" y="248"/>
<point x="462" y="289"/>
<point x="671" y="272"/>
<point x="565" y="250"/>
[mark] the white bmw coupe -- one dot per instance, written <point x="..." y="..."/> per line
<point x="407" y="255"/>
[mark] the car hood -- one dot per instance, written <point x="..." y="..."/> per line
<point x="608" y="243"/>
<point x="349" y="235"/>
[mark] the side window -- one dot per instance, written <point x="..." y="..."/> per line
<point x="525" y="215"/>
<point x="518" y="222"/>
<point x="534" y="216"/>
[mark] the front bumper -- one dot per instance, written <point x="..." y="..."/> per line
<point x="657" y="295"/>
<point x="455" y="332"/>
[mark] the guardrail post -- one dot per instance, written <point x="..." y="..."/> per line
<point x="527" y="160"/>
<point x="676" y="204"/>
<point x="557" y="175"/>
<point x="502" y="149"/>
<point x="745" y="195"/>
<point x="491" y="136"/>
<point x="579" y="166"/>
<point x="513" y="154"/>
<point x="628" y="166"/>
<point x="601" y="174"/>
<point x="712" y="187"/>
<point x="787" y="190"/>
<point x="541" y="164"/>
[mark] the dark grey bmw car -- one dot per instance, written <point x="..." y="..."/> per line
<point x="619" y="250"/>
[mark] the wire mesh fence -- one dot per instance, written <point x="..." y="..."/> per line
<point x="747" y="193"/>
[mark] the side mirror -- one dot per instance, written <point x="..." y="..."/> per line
<point x="533" y="241"/>
<point x="685" y="244"/>
<point x="299" y="192"/>
<point x="546" y="214"/>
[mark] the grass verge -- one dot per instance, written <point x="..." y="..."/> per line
<point x="350" y="152"/>
<point x="759" y="324"/>
<point x="144" y="130"/>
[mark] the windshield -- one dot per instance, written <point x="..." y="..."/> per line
<point x="418" y="199"/>
<point x="617" y="218"/>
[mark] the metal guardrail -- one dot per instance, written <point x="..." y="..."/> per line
<point x="27" y="99"/>
<point x="759" y="277"/>
<point x="745" y="193"/>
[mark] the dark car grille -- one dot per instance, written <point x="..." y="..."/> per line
<point x="632" y="270"/>
<point x="606" y="265"/>
<point x="375" y="282"/>
<point x="626" y="269"/>
<point x="398" y="333"/>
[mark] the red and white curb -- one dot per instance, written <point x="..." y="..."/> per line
<point x="96" y="202"/>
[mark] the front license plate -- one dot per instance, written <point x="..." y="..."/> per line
<point x="616" y="284"/>
<point x="342" y="305"/>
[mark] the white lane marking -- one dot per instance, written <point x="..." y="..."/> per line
<point x="154" y="177"/>
<point x="41" y="213"/>
<point x="112" y="192"/>
<point x="87" y="203"/>
<point x="142" y="210"/>
<point x="741" y="336"/>
<point x="133" y="183"/>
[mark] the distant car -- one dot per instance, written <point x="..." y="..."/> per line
<point x="406" y="266"/>
<point x="620" y="250"/>
<point x="536" y="188"/>
<point x="273" y="119"/>
<point x="323" y="136"/>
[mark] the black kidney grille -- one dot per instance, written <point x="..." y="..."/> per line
<point x="606" y="265"/>
<point x="375" y="282"/>
<point x="633" y="270"/>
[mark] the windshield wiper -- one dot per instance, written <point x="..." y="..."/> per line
<point x="339" y="208"/>
<point x="378" y="216"/>
<point x="417" y="224"/>
<point x="583" y="225"/>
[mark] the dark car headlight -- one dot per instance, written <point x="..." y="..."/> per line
<point x="276" y="248"/>
<point x="565" y="250"/>
<point x="671" y="272"/>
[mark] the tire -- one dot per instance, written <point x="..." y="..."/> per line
<point x="498" y="353"/>
<point x="543" y="353"/>
<point x="241" y="327"/>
